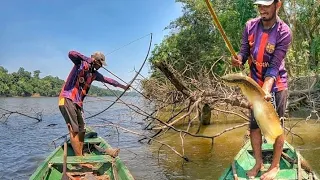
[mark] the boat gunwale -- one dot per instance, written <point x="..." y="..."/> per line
<point x="245" y="148"/>
<point x="44" y="166"/>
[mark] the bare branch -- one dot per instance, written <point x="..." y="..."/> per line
<point x="9" y="113"/>
<point x="139" y="134"/>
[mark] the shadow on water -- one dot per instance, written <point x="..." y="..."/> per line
<point x="24" y="143"/>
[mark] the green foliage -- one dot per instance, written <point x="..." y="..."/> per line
<point x="195" y="45"/>
<point x="96" y="91"/>
<point x="22" y="83"/>
<point x="303" y="16"/>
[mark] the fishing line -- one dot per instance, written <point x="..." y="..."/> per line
<point x="128" y="44"/>
<point x="127" y="83"/>
<point x="158" y="32"/>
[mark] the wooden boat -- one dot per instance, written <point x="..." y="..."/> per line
<point x="292" y="164"/>
<point x="59" y="164"/>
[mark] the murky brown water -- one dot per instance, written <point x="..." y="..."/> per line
<point x="24" y="143"/>
<point x="209" y="163"/>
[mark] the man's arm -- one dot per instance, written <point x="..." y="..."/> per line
<point x="245" y="47"/>
<point x="77" y="57"/>
<point x="267" y="86"/>
<point x="101" y="78"/>
<point x="241" y="58"/>
<point x="281" y="48"/>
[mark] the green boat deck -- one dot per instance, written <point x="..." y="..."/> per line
<point x="104" y="166"/>
<point x="289" y="166"/>
<point x="84" y="159"/>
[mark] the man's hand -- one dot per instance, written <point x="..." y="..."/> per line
<point x="127" y="87"/>
<point x="267" y="86"/>
<point x="237" y="61"/>
<point x="268" y="96"/>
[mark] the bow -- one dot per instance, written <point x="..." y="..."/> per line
<point x="129" y="84"/>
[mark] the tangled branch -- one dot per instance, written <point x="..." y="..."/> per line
<point x="8" y="113"/>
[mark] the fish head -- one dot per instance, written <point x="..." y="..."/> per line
<point x="248" y="86"/>
<point x="234" y="79"/>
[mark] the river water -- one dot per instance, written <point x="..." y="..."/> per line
<point x="25" y="143"/>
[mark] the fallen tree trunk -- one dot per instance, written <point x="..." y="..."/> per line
<point x="173" y="79"/>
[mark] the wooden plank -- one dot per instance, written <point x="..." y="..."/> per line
<point x="234" y="171"/>
<point x="65" y="149"/>
<point x="268" y="147"/>
<point x="299" y="167"/>
<point x="82" y="159"/>
<point x="92" y="140"/>
<point x="304" y="165"/>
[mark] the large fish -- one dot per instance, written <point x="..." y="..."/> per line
<point x="263" y="111"/>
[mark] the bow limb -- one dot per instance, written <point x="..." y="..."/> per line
<point x="129" y="84"/>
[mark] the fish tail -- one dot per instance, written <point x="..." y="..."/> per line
<point x="272" y="136"/>
<point x="270" y="140"/>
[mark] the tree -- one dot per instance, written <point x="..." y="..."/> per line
<point x="36" y="74"/>
<point x="21" y="83"/>
<point x="304" y="20"/>
<point x="3" y="81"/>
<point x="195" y="42"/>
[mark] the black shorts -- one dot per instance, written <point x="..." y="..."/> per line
<point x="72" y="114"/>
<point x="279" y="102"/>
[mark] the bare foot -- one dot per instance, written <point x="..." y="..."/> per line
<point x="252" y="173"/>
<point x="270" y="174"/>
<point x="114" y="152"/>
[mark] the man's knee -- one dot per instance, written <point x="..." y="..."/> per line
<point x="255" y="131"/>
<point x="82" y="128"/>
<point x="278" y="145"/>
<point x="81" y="136"/>
<point x="280" y="139"/>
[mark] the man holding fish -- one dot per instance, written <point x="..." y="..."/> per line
<point x="265" y="42"/>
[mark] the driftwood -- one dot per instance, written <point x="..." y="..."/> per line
<point x="184" y="98"/>
<point x="302" y="92"/>
<point x="206" y="88"/>
<point x="304" y="164"/>
<point x="139" y="134"/>
<point x="181" y="87"/>
<point x="8" y="113"/>
<point x="173" y="79"/>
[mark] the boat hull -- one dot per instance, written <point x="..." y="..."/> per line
<point x="104" y="165"/>
<point x="291" y="167"/>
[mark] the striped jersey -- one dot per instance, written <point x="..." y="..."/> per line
<point x="265" y="50"/>
<point x="80" y="78"/>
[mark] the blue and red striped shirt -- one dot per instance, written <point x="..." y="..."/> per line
<point x="80" y="78"/>
<point x="266" y="51"/>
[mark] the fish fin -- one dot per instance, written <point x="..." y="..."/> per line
<point x="271" y="138"/>
<point x="241" y="74"/>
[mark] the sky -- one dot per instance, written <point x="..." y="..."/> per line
<point x="37" y="34"/>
